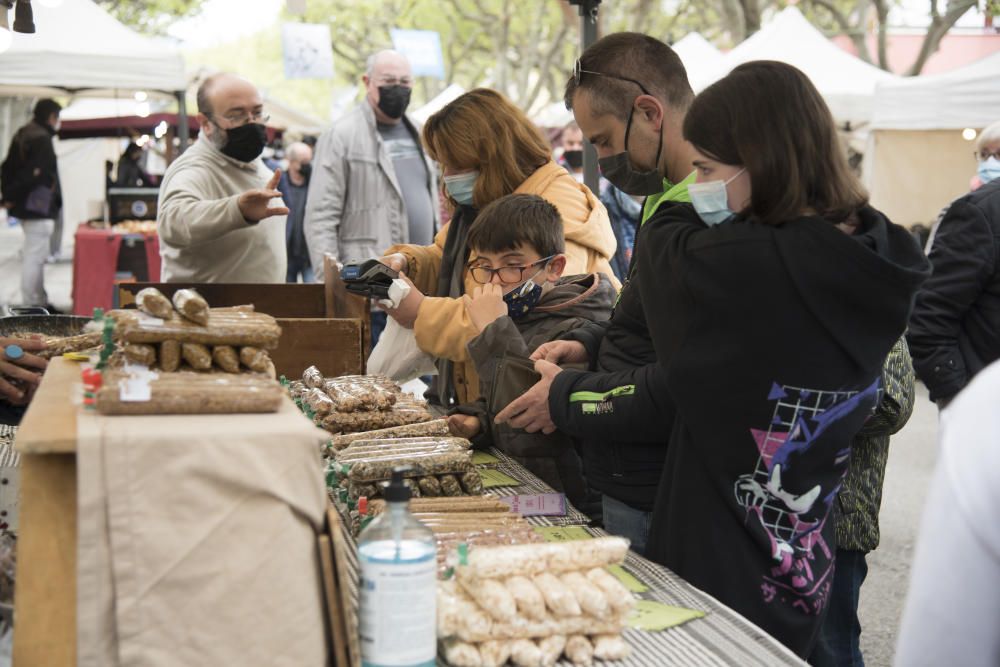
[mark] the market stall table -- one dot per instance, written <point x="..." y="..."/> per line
<point x="702" y="631"/>
<point x="96" y="261"/>
<point x="166" y="539"/>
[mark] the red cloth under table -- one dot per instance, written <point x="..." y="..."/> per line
<point x="95" y="261"/>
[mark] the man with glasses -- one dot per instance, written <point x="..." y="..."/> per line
<point x="218" y="220"/>
<point x="629" y="93"/>
<point x="955" y="327"/>
<point x="372" y="186"/>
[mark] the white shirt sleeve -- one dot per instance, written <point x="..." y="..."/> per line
<point x="952" y="612"/>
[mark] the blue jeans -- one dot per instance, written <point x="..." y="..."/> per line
<point x="378" y="325"/>
<point x="627" y="521"/>
<point x="297" y="266"/>
<point x="839" y="640"/>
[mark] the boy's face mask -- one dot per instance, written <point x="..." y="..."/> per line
<point x="523" y="298"/>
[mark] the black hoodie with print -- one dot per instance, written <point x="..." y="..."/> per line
<point x="772" y="339"/>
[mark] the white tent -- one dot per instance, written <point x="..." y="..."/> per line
<point x="78" y="46"/>
<point x="918" y="159"/>
<point x="440" y="101"/>
<point x="846" y="82"/>
<point x="701" y="59"/>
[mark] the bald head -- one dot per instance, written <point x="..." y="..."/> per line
<point x="298" y="152"/>
<point x="218" y="90"/>
<point x="387" y="69"/>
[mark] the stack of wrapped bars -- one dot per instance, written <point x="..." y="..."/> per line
<point x="533" y="603"/>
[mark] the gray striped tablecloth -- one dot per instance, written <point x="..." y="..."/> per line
<point x="721" y="637"/>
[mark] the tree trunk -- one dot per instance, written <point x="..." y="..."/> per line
<point x="751" y="16"/>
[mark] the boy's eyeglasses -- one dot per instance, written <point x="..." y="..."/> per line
<point x="578" y="73"/>
<point x="508" y="274"/>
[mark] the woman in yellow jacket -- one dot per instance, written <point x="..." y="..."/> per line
<point x="487" y="148"/>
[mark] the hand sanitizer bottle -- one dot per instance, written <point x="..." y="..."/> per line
<point x="398" y="586"/>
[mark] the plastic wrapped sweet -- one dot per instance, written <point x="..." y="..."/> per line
<point x="435" y="427"/>
<point x="552" y="557"/>
<point x="197" y="355"/>
<point x="529" y="599"/>
<point x="429" y="486"/>
<point x="558" y="598"/>
<point x="465" y="504"/>
<point x="450" y="485"/>
<point x="579" y="650"/>
<point x="352" y="394"/>
<point x="224" y="327"/>
<point x="494" y="653"/>
<point x="170" y="355"/>
<point x="191" y="305"/>
<point x="525" y="653"/>
<point x="590" y="598"/>
<point x="255" y="359"/>
<point x="610" y="647"/>
<point x="318" y="402"/>
<point x="152" y="302"/>
<point x="619" y="597"/>
<point x="472" y="483"/>
<point x="137" y="353"/>
<point x="361" y="449"/>
<point x="312" y="378"/>
<point x="493" y="597"/>
<point x="418" y="464"/>
<point x="352" y="422"/>
<point x="461" y="654"/>
<point x="187" y="393"/>
<point x="225" y="357"/>
<point x="551" y="648"/>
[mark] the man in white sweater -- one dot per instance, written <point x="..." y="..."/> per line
<point x="217" y="220"/>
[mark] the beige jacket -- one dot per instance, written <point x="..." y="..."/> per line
<point x="443" y="328"/>
<point x="203" y="236"/>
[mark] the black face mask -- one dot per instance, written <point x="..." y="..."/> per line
<point x="393" y="100"/>
<point x="305" y="170"/>
<point x="573" y="158"/>
<point x="246" y="142"/>
<point x="620" y="173"/>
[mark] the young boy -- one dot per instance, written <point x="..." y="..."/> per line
<point x="516" y="248"/>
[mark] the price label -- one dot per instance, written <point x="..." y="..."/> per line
<point x="484" y="459"/>
<point x="563" y="533"/>
<point x="626" y="577"/>
<point x="540" y="504"/>
<point x="492" y="478"/>
<point x="654" y="616"/>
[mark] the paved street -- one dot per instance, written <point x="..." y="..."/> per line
<point x="911" y="461"/>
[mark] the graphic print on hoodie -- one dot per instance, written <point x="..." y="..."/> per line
<point x="788" y="506"/>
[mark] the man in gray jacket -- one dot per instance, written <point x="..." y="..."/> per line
<point x="218" y="220"/>
<point x="372" y="186"/>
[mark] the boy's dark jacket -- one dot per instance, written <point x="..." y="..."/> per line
<point x="573" y="302"/>
<point x="773" y="340"/>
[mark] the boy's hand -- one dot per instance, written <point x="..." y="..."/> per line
<point x="485" y="306"/>
<point x="561" y="352"/>
<point x="463" y="426"/>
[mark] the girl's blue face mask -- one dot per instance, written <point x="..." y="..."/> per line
<point x="711" y="200"/>
<point x="461" y="186"/>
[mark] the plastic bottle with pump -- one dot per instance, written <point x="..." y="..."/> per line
<point x="398" y="586"/>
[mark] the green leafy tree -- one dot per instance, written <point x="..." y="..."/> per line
<point x="151" y="16"/>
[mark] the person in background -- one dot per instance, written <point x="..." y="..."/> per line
<point x="635" y="126"/>
<point x="294" y="187"/>
<point x="487" y="148"/>
<point x="572" y="150"/>
<point x="988" y="160"/>
<point x="130" y="172"/>
<point x="372" y="186"/>
<point x="623" y="210"/>
<point x="29" y="179"/>
<point x="952" y="609"/>
<point x="517" y="244"/>
<point x="856" y="513"/>
<point x="218" y="221"/>
<point x="955" y="330"/>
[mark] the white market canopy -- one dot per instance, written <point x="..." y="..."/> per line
<point x="700" y="57"/>
<point x="847" y="83"/>
<point x="965" y="97"/>
<point x="440" y="101"/>
<point x="78" y="46"/>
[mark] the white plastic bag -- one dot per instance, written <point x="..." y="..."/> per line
<point x="397" y="355"/>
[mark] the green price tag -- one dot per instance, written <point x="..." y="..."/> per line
<point x="484" y="459"/>
<point x="655" y="616"/>
<point x="630" y="582"/>
<point x="563" y="533"/>
<point x="492" y="478"/>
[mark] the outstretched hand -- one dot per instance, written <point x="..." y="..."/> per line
<point x="530" y="411"/>
<point x="255" y="205"/>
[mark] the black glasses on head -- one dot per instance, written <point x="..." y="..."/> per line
<point x="578" y="73"/>
<point x="508" y="274"/>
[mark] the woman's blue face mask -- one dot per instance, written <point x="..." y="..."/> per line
<point x="461" y="186"/>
